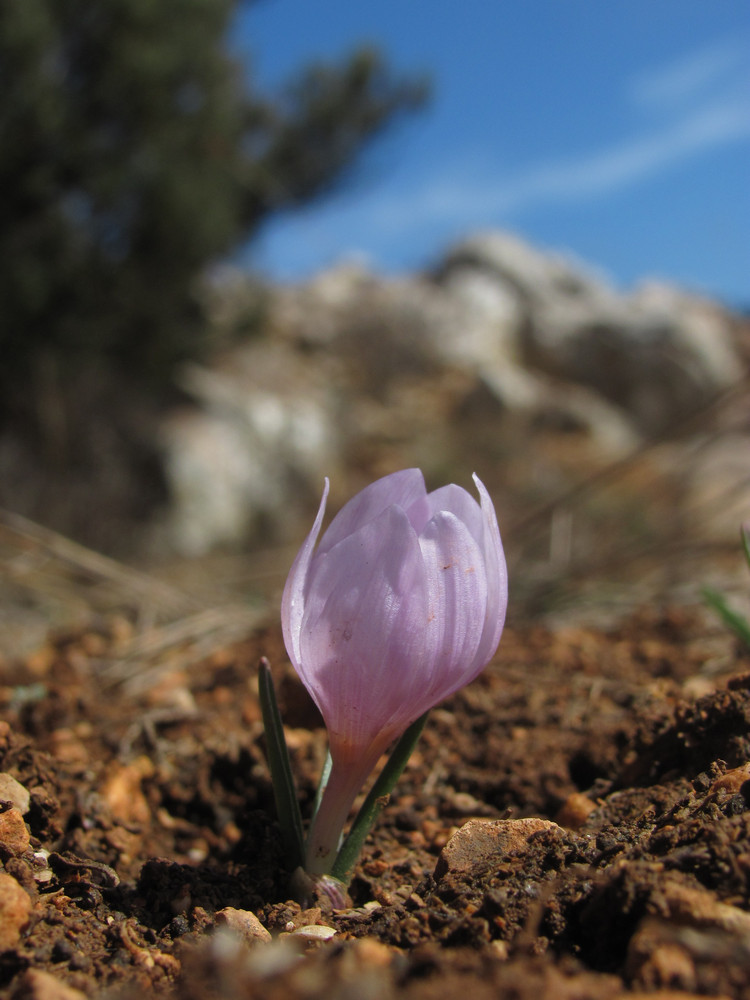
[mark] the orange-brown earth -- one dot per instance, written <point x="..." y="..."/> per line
<point x="147" y="859"/>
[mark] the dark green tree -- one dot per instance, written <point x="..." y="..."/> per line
<point x="133" y="153"/>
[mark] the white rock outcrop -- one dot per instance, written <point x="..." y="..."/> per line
<point x="350" y="358"/>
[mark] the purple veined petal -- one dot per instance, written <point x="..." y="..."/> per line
<point x="497" y="580"/>
<point x="457" y="589"/>
<point x="401" y="489"/>
<point x="293" y="599"/>
<point x="364" y="632"/>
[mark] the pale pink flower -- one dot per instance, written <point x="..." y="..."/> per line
<point x="402" y="604"/>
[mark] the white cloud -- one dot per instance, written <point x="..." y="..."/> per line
<point x="705" y="100"/>
<point x="468" y="199"/>
<point x="722" y="64"/>
<point x="702" y="107"/>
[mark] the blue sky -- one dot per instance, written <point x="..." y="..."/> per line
<point x="616" y="130"/>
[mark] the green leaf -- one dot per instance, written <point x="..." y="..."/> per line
<point x="375" y="801"/>
<point x="745" y="535"/>
<point x="732" y="619"/>
<point x="284" y="791"/>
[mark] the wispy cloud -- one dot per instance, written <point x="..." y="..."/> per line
<point x="721" y="64"/>
<point x="592" y="174"/>
<point x="704" y="100"/>
<point x="694" y="106"/>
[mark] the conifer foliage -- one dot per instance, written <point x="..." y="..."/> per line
<point x="134" y="152"/>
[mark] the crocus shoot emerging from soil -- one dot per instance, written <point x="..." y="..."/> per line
<point x="401" y="604"/>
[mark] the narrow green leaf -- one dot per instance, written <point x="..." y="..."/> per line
<point x="376" y="799"/>
<point x="745" y="535"/>
<point x="732" y="619"/>
<point x="284" y="791"/>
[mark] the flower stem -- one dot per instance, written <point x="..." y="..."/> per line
<point x="324" y="836"/>
<point x="376" y="799"/>
<point x="325" y="854"/>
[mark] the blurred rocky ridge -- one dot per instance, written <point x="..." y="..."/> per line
<point x="526" y="366"/>
<point x="607" y="426"/>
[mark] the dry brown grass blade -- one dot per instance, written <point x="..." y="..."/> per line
<point x="613" y="553"/>
<point x="177" y="645"/>
<point x="681" y="429"/>
<point x="39" y="558"/>
<point x="173" y="629"/>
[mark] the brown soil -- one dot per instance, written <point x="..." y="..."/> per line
<point x="151" y="817"/>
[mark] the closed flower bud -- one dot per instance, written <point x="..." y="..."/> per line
<point x="401" y="604"/>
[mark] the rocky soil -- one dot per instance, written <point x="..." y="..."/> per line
<point x="575" y="824"/>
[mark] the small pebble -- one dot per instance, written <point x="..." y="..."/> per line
<point x="314" y="932"/>
<point x="575" y="810"/>
<point x="13" y="791"/>
<point x="123" y="793"/>
<point x="15" y="911"/>
<point x="465" y="804"/>
<point x="14" y="837"/>
<point x="243" y="922"/>
<point x="481" y="839"/>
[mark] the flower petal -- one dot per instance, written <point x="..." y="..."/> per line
<point x="457" y="588"/>
<point x="400" y="488"/>
<point x="402" y="604"/>
<point x="453" y="498"/>
<point x="293" y="599"/>
<point x="497" y="580"/>
<point x="363" y="631"/>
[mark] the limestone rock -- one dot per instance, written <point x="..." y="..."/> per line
<point x="258" y="433"/>
<point x="479" y="840"/>
<point x="351" y="363"/>
<point x="658" y="353"/>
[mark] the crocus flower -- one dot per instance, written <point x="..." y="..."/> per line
<point x="402" y="604"/>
